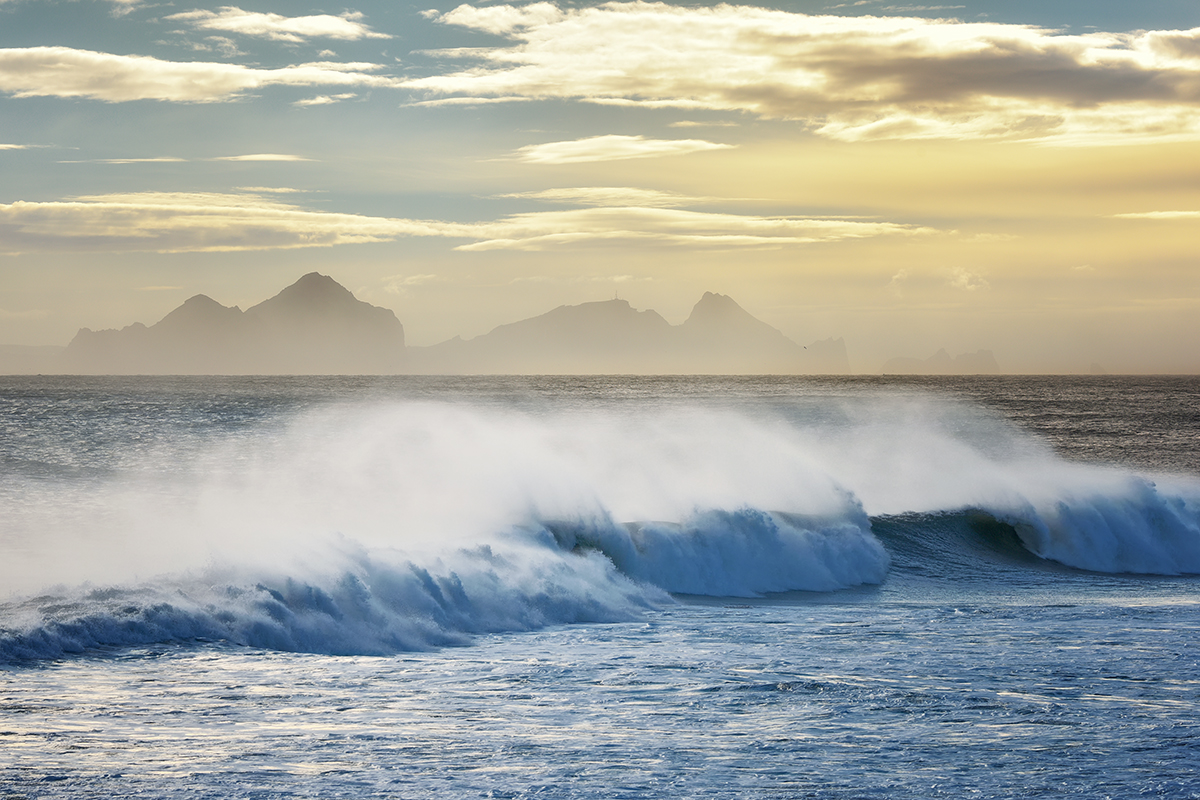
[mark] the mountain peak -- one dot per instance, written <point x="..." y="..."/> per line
<point x="197" y="311"/>
<point x="315" y="287"/>
<point x="314" y="326"/>
<point x="316" y="282"/>
<point x="720" y="309"/>
<point x="313" y="297"/>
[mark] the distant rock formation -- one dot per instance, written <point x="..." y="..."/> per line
<point x="317" y="327"/>
<point x="981" y="362"/>
<point x="314" y="326"/>
<point x="611" y="337"/>
<point x="604" y="337"/>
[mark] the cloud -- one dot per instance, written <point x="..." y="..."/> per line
<point x="229" y="19"/>
<point x="1160" y="215"/>
<point x="646" y="226"/>
<point x="222" y="44"/>
<point x="611" y="196"/>
<point x="400" y="284"/>
<point x="967" y="281"/>
<point x="175" y="159"/>
<point x="324" y="99"/>
<point x="691" y="123"/>
<point x="65" y="72"/>
<point x="14" y="146"/>
<point x="123" y="7"/>
<point x="262" y="157"/>
<point x="611" y="148"/>
<point x="188" y="222"/>
<point x="847" y="78"/>
<point x="271" y="190"/>
<point x="150" y="160"/>
<point x="918" y="9"/>
<point x="197" y="222"/>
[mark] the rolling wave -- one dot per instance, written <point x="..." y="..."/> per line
<point x="380" y="602"/>
<point x="394" y="527"/>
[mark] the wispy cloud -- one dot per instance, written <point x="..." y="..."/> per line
<point x="150" y="160"/>
<point x="611" y="148"/>
<point x="176" y="159"/>
<point x="692" y="123"/>
<point x="13" y="146"/>
<point x="261" y="157"/>
<point x="123" y="7"/>
<point x="271" y="190"/>
<point x="325" y="99"/>
<point x="221" y="44"/>
<point x="677" y="227"/>
<point x="400" y="284"/>
<point x="229" y="19"/>
<point x="611" y="196"/>
<point x="966" y="280"/>
<point x="849" y="78"/>
<point x="1160" y="215"/>
<point x="918" y="9"/>
<point x="192" y="222"/>
<point x="65" y="72"/>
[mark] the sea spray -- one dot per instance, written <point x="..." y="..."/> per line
<point x="398" y="524"/>
<point x="362" y="603"/>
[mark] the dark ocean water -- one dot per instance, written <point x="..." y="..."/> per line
<point x="599" y="587"/>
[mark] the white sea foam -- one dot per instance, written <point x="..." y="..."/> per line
<point x="402" y="525"/>
<point x="361" y="603"/>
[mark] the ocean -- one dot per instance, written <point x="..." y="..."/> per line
<point x="600" y="587"/>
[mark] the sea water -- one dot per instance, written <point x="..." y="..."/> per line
<point x="599" y="587"/>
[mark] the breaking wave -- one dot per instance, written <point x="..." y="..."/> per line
<point x="408" y="526"/>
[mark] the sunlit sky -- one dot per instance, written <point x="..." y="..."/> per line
<point x="1017" y="176"/>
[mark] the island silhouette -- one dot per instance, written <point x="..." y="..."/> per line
<point x="318" y="327"/>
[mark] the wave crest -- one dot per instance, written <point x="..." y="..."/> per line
<point x="742" y="553"/>
<point x="1137" y="528"/>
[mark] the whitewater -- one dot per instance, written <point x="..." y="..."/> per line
<point x="599" y="587"/>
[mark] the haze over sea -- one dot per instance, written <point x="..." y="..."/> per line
<point x="587" y="587"/>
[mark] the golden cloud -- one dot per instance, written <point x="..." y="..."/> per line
<point x="197" y="222"/>
<point x="65" y="72"/>
<point x="849" y="78"/>
<point x="230" y="19"/>
<point x="1160" y="215"/>
<point x="611" y="148"/>
<point x="611" y="196"/>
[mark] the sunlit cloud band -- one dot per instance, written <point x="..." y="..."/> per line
<point x="347" y="26"/>
<point x="848" y="78"/>
<point x="65" y="72"/>
<point x="192" y="222"/>
<point x="611" y="148"/>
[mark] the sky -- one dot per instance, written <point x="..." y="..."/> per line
<point x="1016" y="176"/>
